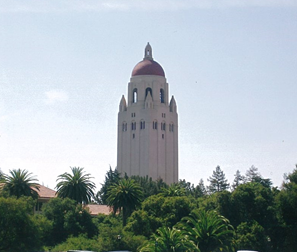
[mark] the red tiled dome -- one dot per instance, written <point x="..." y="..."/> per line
<point x="148" y="67"/>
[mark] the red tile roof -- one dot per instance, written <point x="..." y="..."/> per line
<point x="99" y="209"/>
<point x="45" y="192"/>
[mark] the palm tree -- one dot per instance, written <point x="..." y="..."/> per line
<point x="124" y="196"/>
<point x="20" y="183"/>
<point x="168" y="240"/>
<point x="209" y="231"/>
<point x="76" y="186"/>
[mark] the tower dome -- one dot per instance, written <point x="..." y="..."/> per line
<point x="148" y="66"/>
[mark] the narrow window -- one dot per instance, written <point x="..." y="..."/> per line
<point x="162" y="95"/>
<point x="155" y="125"/>
<point x="142" y="125"/>
<point x="148" y="90"/>
<point x="134" y="95"/>
<point x="163" y="126"/>
<point x="133" y="126"/>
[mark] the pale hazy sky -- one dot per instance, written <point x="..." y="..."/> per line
<point x="231" y="65"/>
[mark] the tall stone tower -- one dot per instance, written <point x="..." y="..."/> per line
<point x="148" y="124"/>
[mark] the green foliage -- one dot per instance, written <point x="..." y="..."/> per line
<point x="158" y="210"/>
<point x="218" y="181"/>
<point x="113" y="237"/>
<point x="173" y="190"/>
<point x="18" y="231"/>
<point x="209" y="231"/>
<point x="149" y="186"/>
<point x="78" y="243"/>
<point x="287" y="205"/>
<point x="253" y="201"/>
<point x="124" y="196"/>
<point x="68" y="218"/>
<point x="238" y="180"/>
<point x="251" y="236"/>
<point x="252" y="175"/>
<point x="191" y="190"/>
<point x="111" y="177"/>
<point x="20" y="183"/>
<point x="76" y="186"/>
<point x="168" y="240"/>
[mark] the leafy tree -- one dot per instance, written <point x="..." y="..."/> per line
<point x="68" y="218"/>
<point x="251" y="236"/>
<point x="287" y="205"/>
<point x="168" y="240"/>
<point x="111" y="177"/>
<point x="209" y="231"/>
<point x="20" y="183"/>
<point x="218" y="181"/>
<point x="158" y="210"/>
<point x="238" y="179"/>
<point x="76" y="186"/>
<point x="253" y="202"/>
<point x="80" y="243"/>
<point x="201" y="188"/>
<point x="19" y="229"/>
<point x="112" y="236"/>
<point x="149" y="186"/>
<point x="124" y="196"/>
<point x="173" y="190"/>
<point x="252" y="175"/>
<point x="191" y="190"/>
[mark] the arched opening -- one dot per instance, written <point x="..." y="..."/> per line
<point x="155" y="125"/>
<point x="162" y="95"/>
<point x="134" y="95"/>
<point x="148" y="90"/>
<point x="142" y="124"/>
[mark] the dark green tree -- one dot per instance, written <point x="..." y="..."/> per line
<point x="149" y="186"/>
<point x="76" y="186"/>
<point x="19" y="229"/>
<point x="158" y="210"/>
<point x="124" y="196"/>
<point x="20" y="183"/>
<point x="251" y="236"/>
<point x="191" y="190"/>
<point x="252" y="175"/>
<point x="173" y="190"/>
<point x="111" y="177"/>
<point x="209" y="231"/>
<point x="218" y="181"/>
<point x="168" y="240"/>
<point x="238" y="180"/>
<point x="68" y="219"/>
<point x="287" y="205"/>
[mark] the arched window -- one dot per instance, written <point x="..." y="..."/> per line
<point x="163" y="126"/>
<point x="155" y="125"/>
<point x="134" y="95"/>
<point x="133" y="126"/>
<point x="148" y="90"/>
<point x="162" y="95"/>
<point x="142" y="124"/>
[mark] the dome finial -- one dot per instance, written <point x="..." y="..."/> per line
<point x="148" y="52"/>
